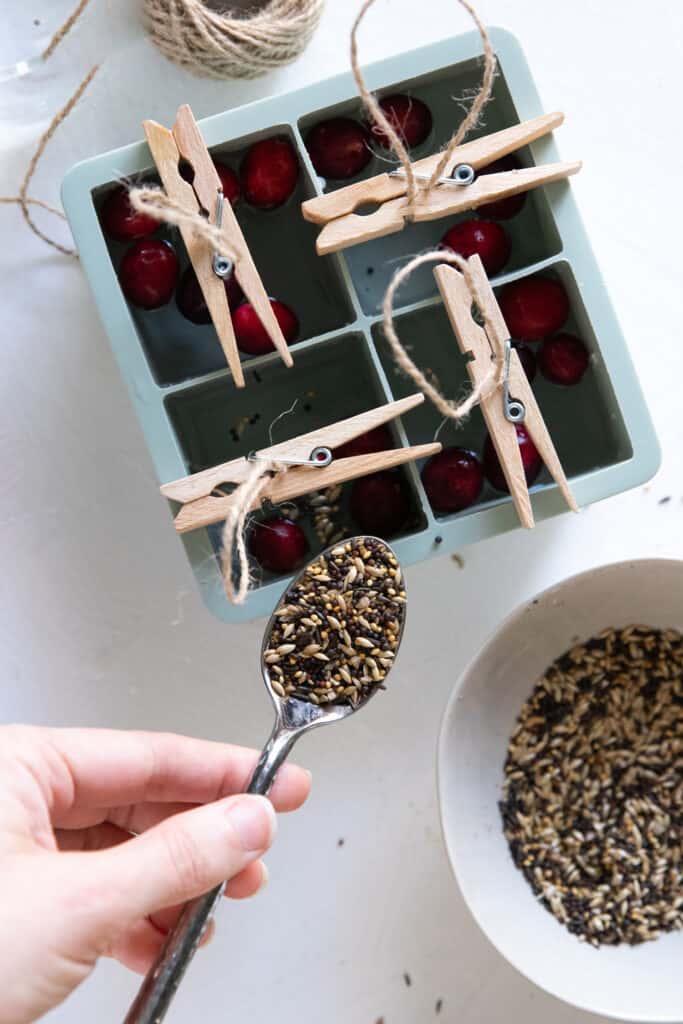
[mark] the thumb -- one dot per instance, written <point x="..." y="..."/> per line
<point x="183" y="857"/>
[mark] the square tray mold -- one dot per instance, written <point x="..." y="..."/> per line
<point x="183" y="393"/>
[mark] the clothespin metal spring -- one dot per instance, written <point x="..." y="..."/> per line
<point x="222" y="266"/>
<point x="318" y="459"/>
<point x="513" y="409"/>
<point x="463" y="174"/>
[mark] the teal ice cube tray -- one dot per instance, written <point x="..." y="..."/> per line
<point x="192" y="414"/>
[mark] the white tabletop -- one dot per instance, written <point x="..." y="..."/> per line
<point x="100" y="620"/>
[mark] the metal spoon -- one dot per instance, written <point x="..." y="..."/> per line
<point x="293" y="718"/>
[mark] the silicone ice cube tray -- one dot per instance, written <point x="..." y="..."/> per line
<point x="194" y="417"/>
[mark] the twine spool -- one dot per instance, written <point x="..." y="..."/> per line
<point x="222" y="44"/>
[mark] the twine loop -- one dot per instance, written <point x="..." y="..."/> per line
<point x="377" y="115"/>
<point x="155" y="202"/>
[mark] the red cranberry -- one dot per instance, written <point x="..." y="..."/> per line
<point x="252" y="336"/>
<point x="408" y="116"/>
<point x="269" y="173"/>
<point x="121" y="221"/>
<point x="527" y="359"/>
<point x="376" y="440"/>
<point x="339" y="148"/>
<point x="379" y="503"/>
<point x="229" y="181"/>
<point x="278" y="545"/>
<point x="453" y="479"/>
<point x="534" y="307"/>
<point x="563" y="359"/>
<point x="531" y="460"/>
<point x="503" y="209"/>
<point x="190" y="298"/>
<point x="148" y="273"/>
<point x="481" y="237"/>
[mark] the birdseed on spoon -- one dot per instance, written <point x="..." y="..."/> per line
<point x="336" y="634"/>
<point x="593" y="794"/>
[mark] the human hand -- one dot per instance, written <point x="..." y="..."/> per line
<point x="103" y="835"/>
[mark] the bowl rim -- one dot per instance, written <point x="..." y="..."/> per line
<point x="441" y="753"/>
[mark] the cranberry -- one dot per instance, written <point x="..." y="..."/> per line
<point x="269" y="173"/>
<point x="531" y="460"/>
<point x="339" y="148"/>
<point x="534" y="307"/>
<point x="121" y="221"/>
<point x="503" y="209"/>
<point x="148" y="273"/>
<point x="376" y="440"/>
<point x="252" y="336"/>
<point x="379" y="503"/>
<point x="527" y="359"/>
<point x="229" y="182"/>
<point x="563" y="359"/>
<point x="278" y="545"/>
<point x="453" y="479"/>
<point x="483" y="238"/>
<point x="409" y="117"/>
<point x="190" y="298"/>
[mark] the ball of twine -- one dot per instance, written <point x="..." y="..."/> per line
<point x="221" y="44"/>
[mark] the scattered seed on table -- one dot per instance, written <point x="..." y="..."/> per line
<point x="335" y="638"/>
<point x="592" y="802"/>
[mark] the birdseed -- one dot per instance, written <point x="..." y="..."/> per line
<point x="336" y="634"/>
<point x="592" y="802"/>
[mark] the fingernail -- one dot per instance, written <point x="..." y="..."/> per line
<point x="265" y="877"/>
<point x="253" y="820"/>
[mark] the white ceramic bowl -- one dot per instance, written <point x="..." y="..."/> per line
<point x="641" y="983"/>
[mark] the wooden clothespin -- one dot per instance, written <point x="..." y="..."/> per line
<point x="184" y="142"/>
<point x="311" y="457"/>
<point x="501" y="411"/>
<point x="459" y="189"/>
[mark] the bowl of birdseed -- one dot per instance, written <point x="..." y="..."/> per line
<point x="561" y="790"/>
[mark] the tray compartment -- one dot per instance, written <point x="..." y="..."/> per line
<point x="283" y="247"/>
<point x="584" y="421"/>
<point x="213" y="426"/>
<point x="532" y="232"/>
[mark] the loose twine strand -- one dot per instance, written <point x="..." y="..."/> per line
<point x="23" y="200"/>
<point x="155" y="202"/>
<point x="220" y="44"/>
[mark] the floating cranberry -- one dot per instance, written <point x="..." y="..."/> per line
<point x="503" y="209"/>
<point x="453" y="479"/>
<point x="339" y="148"/>
<point x="190" y="298"/>
<point x="121" y="221"/>
<point x="278" y="545"/>
<point x="148" y="273"/>
<point x="252" y="336"/>
<point x="534" y="307"/>
<point x="229" y="182"/>
<point x="269" y="173"/>
<point x="483" y="238"/>
<point x="410" y="118"/>
<point x="531" y="460"/>
<point x="527" y="359"/>
<point x="376" y="440"/>
<point x="563" y="359"/>
<point x="379" y="504"/>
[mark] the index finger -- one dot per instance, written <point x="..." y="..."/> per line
<point x="103" y="767"/>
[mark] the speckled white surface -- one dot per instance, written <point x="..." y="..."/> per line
<point x="100" y="623"/>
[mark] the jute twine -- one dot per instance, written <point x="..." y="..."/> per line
<point x="451" y="410"/>
<point x="217" y="44"/>
<point x="23" y="200"/>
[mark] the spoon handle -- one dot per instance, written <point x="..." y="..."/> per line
<point x="159" y="987"/>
